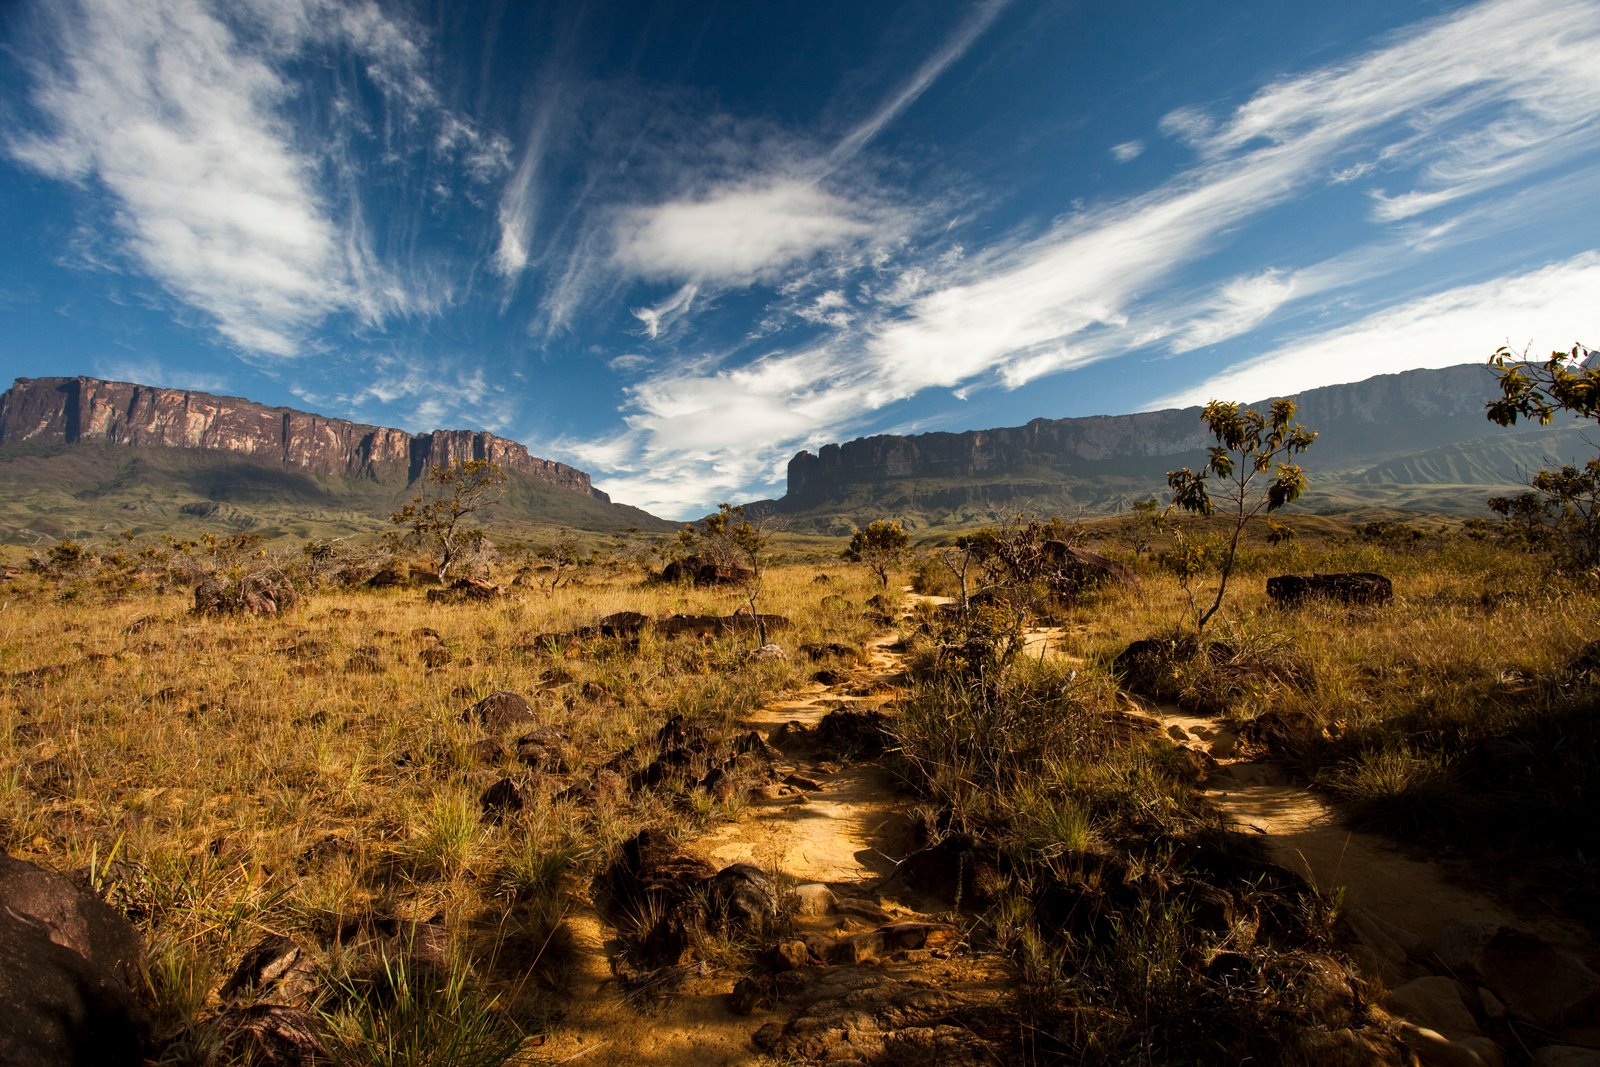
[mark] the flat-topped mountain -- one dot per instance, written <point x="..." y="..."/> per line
<point x="80" y="455"/>
<point x="1417" y="439"/>
<point x="54" y="411"/>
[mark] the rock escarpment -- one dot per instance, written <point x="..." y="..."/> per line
<point x="1360" y="424"/>
<point x="53" y="411"/>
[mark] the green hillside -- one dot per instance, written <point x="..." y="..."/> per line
<point x="87" y="491"/>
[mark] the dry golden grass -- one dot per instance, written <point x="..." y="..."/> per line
<point x="229" y="777"/>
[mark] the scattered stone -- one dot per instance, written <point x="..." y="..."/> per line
<point x="1433" y="1002"/>
<point x="623" y="624"/>
<point x="1537" y="982"/>
<point x="366" y="659"/>
<point x="852" y="1016"/>
<point x="787" y="956"/>
<point x="751" y="993"/>
<point x="884" y="942"/>
<point x="1566" y="1056"/>
<point x="70" y="969"/>
<point x="544" y="750"/>
<point x="502" y="799"/>
<point x="1355" y="587"/>
<point x="500" y="711"/>
<point x="813" y="899"/>
<point x="266" y="1035"/>
<point x="830" y="650"/>
<point x="464" y="590"/>
<point x="254" y="594"/>
<point x="740" y="898"/>
<point x="273" y="967"/>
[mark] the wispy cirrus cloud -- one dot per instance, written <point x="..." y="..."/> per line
<point x="1081" y="291"/>
<point x="178" y="113"/>
<point x="1549" y="308"/>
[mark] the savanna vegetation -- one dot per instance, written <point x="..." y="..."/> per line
<point x="338" y="775"/>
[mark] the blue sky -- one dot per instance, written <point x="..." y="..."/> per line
<point x="674" y="243"/>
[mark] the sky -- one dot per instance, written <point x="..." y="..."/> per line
<point x="673" y="243"/>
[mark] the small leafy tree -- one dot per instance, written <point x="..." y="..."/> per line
<point x="1250" y="469"/>
<point x="878" y="546"/>
<point x="732" y="539"/>
<point x="1563" y="510"/>
<point x="437" y="516"/>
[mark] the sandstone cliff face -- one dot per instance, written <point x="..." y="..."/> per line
<point x="1363" y="421"/>
<point x="67" y="410"/>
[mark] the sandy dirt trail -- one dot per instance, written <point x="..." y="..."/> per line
<point x="846" y="835"/>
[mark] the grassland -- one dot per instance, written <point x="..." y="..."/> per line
<point x="312" y="776"/>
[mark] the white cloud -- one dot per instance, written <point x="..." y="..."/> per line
<point x="966" y="34"/>
<point x="1127" y="151"/>
<point x="178" y="113"/>
<point x="1241" y="305"/>
<point x="664" y="314"/>
<point x="1090" y="287"/>
<point x="629" y="361"/>
<point x="739" y="234"/>
<point x="519" y="201"/>
<point x="1551" y="307"/>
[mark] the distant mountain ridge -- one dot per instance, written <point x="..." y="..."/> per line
<point x="1393" y="439"/>
<point x="49" y="411"/>
<point x="83" y="457"/>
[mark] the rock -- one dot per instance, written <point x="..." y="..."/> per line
<point x="624" y="624"/>
<point x="813" y="899"/>
<point x="1566" y="1056"/>
<point x="865" y="1017"/>
<point x="544" y="750"/>
<point x="800" y="781"/>
<point x="1535" y="981"/>
<point x="273" y="968"/>
<point x="769" y="652"/>
<point x="739" y="899"/>
<point x="957" y="870"/>
<point x="464" y="590"/>
<point x="1434" y="1002"/>
<point x="787" y="956"/>
<point x="364" y="660"/>
<point x="1436" y="1050"/>
<point x="1347" y="1047"/>
<point x="500" y="711"/>
<point x="266" y="1035"/>
<point x="884" y="942"/>
<point x="254" y="594"/>
<point x="502" y="799"/>
<point x="816" y="652"/>
<point x="435" y="656"/>
<point x="71" y="969"/>
<point x="1355" y="587"/>
<point x="651" y="894"/>
<point x="853" y="733"/>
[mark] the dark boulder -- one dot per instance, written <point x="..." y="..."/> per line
<point x="254" y="594"/>
<point x="623" y="624"/>
<point x="466" y="590"/>
<point x="70" y="967"/>
<point x="740" y="899"/>
<point x="1353" y="587"/>
<point x="501" y="710"/>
